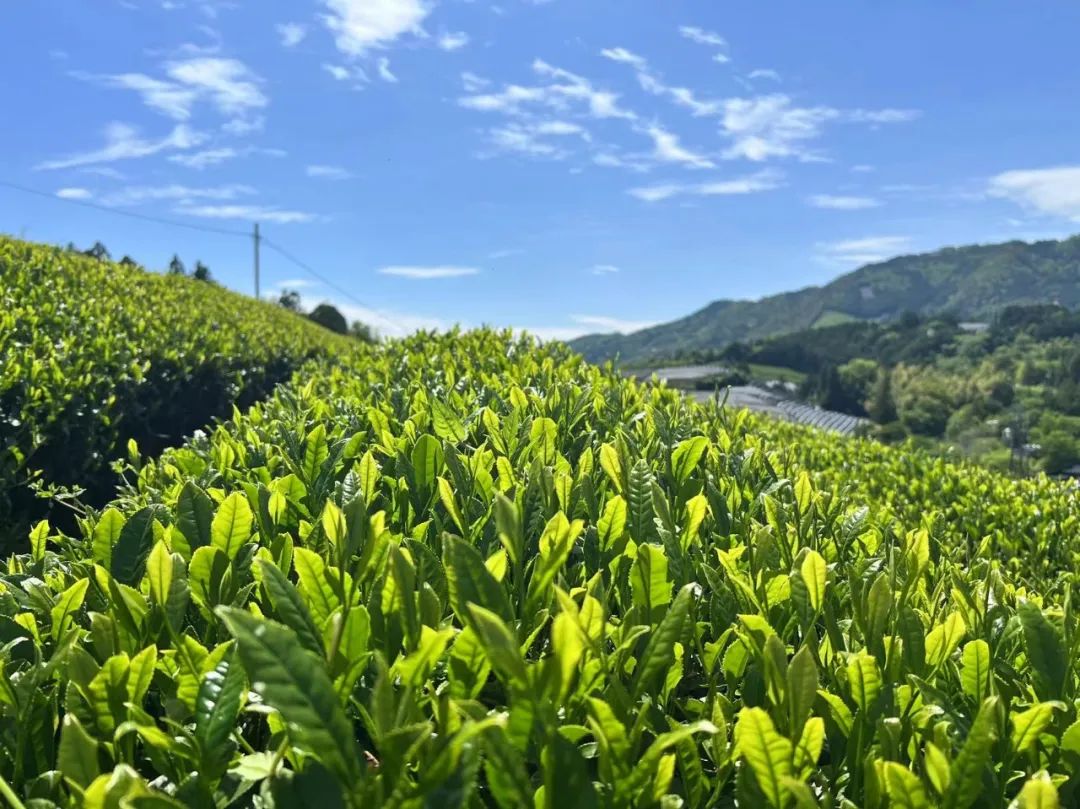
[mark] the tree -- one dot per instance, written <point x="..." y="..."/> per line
<point x="880" y="406"/>
<point x="362" y="332"/>
<point x="290" y="299"/>
<point x="328" y="317"/>
<point x="176" y="266"/>
<point x="98" y="251"/>
<point x="1059" y="452"/>
<point x="128" y="261"/>
<point x="201" y="272"/>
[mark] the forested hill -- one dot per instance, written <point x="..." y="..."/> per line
<point x="970" y="282"/>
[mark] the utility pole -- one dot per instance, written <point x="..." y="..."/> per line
<point x="256" y="237"/>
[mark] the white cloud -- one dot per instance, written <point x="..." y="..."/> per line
<point x="702" y="37"/>
<point x="250" y="213"/>
<point x="123" y="142"/>
<point x="244" y="126"/>
<point x="586" y="324"/>
<point x="166" y="97"/>
<point x="843" y="203"/>
<point x="528" y="137"/>
<point x="770" y="126"/>
<point x="213" y="157"/>
<point x="337" y="71"/>
<point x="603" y="269"/>
<point x="474" y="83"/>
<point x="667" y="149"/>
<point x="453" y="40"/>
<point x="1052" y="191"/>
<point x="609" y="324"/>
<point x="360" y="26"/>
<point x="883" y="116"/>
<point x="651" y="83"/>
<point x="136" y="195"/>
<point x="291" y="33"/>
<point x="862" y="168"/>
<point x="750" y="184"/>
<point x="609" y="159"/>
<point x="561" y="93"/>
<point x="383" y="66"/>
<point x="103" y="171"/>
<point x="295" y="283"/>
<point x="391" y="323"/>
<point x="764" y="73"/>
<point x="73" y="193"/>
<point x="624" y="56"/>
<point x="513" y="251"/>
<point x="328" y="172"/>
<point x="867" y="250"/>
<point x="227" y="84"/>
<point x="427" y="273"/>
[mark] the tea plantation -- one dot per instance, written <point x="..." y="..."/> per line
<point x="467" y="570"/>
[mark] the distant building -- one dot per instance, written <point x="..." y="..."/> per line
<point x="974" y="327"/>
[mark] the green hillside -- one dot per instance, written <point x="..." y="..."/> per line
<point x="970" y="282"/>
<point x="95" y="353"/>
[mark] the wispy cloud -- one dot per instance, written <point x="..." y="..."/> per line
<point x="768" y="126"/>
<point x="843" y="203"/>
<point x="383" y="67"/>
<point x="609" y="324"/>
<point x="427" y="273"/>
<point x="123" y="142"/>
<point x="249" y="213"/>
<point x="513" y="251"/>
<point x="1052" y="191"/>
<point x="139" y="194"/>
<point x="763" y="73"/>
<point x="702" y="37"/>
<point x="390" y="322"/>
<point x="532" y="138"/>
<point x="226" y="84"/>
<point x="586" y="324"/>
<point x="603" y="269"/>
<point x="74" y="193"/>
<point x="328" y="172"/>
<point x="865" y="250"/>
<point x="453" y="40"/>
<point x="291" y="33"/>
<point x="750" y="184"/>
<point x="206" y="158"/>
<point x="668" y="149"/>
<point x="564" y="91"/>
<point x="360" y="26"/>
<point x="652" y="83"/>
<point x="474" y="83"/>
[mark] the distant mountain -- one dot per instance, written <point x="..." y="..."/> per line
<point x="971" y="282"/>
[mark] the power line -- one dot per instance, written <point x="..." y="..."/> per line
<point x="205" y="228"/>
<point x="308" y="269"/>
<point x="131" y="214"/>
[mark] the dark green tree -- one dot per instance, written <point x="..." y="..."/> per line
<point x="362" y="332"/>
<point x="290" y="299"/>
<point x="201" y="272"/>
<point x="98" y="251"/>
<point x="880" y="406"/>
<point x="176" y="266"/>
<point x="329" y="317"/>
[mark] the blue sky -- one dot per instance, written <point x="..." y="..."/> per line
<point x="565" y="166"/>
